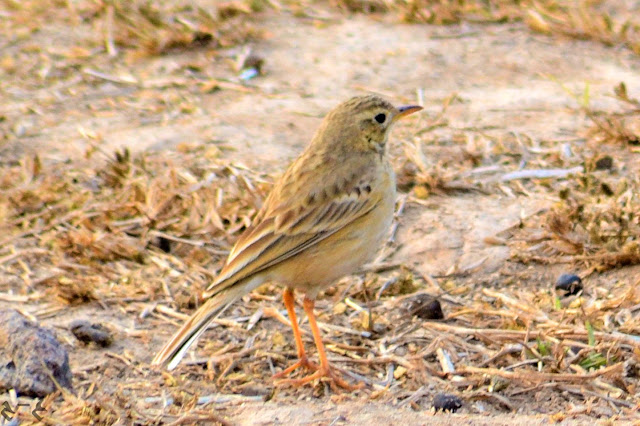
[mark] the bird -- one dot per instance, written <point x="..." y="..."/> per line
<point x="324" y="218"/>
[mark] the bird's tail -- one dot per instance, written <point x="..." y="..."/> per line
<point x="175" y="349"/>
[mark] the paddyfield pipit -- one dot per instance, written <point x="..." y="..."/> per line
<point x="326" y="216"/>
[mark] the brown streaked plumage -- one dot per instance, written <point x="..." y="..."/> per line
<point x="324" y="218"/>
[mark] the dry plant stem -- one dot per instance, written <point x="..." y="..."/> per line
<point x="390" y="359"/>
<point x="582" y="392"/>
<point x="514" y="303"/>
<point x="499" y="335"/>
<point x="540" y="174"/>
<point x="289" y="303"/>
<point x="187" y="419"/>
<point x="25" y="252"/>
<point x="535" y="377"/>
<point x="325" y="369"/>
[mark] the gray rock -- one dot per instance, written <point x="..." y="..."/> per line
<point x="31" y="357"/>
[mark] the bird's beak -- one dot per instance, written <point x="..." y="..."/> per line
<point x="405" y="110"/>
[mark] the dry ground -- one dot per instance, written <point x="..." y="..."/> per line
<point x="498" y="98"/>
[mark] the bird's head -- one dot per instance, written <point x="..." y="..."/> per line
<point x="362" y="123"/>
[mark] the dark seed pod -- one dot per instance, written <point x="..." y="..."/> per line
<point x="446" y="402"/>
<point x="570" y="284"/>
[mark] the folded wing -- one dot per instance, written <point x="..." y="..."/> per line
<point x="282" y="231"/>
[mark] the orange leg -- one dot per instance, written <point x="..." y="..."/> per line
<point x="289" y="303"/>
<point x="325" y="369"/>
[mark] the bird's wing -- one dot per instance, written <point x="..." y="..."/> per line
<point x="307" y="215"/>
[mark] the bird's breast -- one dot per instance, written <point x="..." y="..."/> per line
<point x="344" y="252"/>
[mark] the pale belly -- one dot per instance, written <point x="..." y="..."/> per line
<point x="343" y="252"/>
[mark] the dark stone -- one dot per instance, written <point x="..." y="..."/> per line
<point x="446" y="402"/>
<point x="604" y="163"/>
<point x="254" y="61"/>
<point x="31" y="357"/>
<point x="164" y="244"/>
<point x="87" y="332"/>
<point x="425" y="307"/>
<point x="570" y="284"/>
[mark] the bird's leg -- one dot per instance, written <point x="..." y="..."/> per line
<point x="303" y="361"/>
<point x="325" y="369"/>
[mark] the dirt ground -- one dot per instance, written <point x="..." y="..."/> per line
<point x="505" y="87"/>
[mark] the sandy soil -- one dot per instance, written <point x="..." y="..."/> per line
<point x="508" y="82"/>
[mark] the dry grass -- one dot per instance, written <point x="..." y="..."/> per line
<point x="595" y="221"/>
<point x="146" y="28"/>
<point x="158" y="28"/>
<point x="597" y="20"/>
<point x="621" y="126"/>
<point x="86" y="218"/>
<point x="136" y="237"/>
<point x="593" y="227"/>
<point x="143" y="233"/>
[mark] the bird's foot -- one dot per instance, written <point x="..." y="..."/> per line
<point x="302" y="363"/>
<point x="325" y="374"/>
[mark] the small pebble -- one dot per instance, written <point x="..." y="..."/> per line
<point x="251" y="67"/>
<point x="631" y="369"/>
<point x="604" y="163"/>
<point x="253" y="61"/>
<point x="164" y="244"/>
<point x="425" y="307"/>
<point x="575" y="350"/>
<point x="87" y="332"/>
<point x="566" y="151"/>
<point x="248" y="74"/>
<point x="446" y="402"/>
<point x="569" y="283"/>
<point x="201" y="38"/>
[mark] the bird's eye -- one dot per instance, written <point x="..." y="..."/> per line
<point x="380" y="118"/>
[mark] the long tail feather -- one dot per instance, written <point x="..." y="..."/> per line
<point x="175" y="349"/>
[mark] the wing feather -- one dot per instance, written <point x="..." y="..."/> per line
<point x="286" y="230"/>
